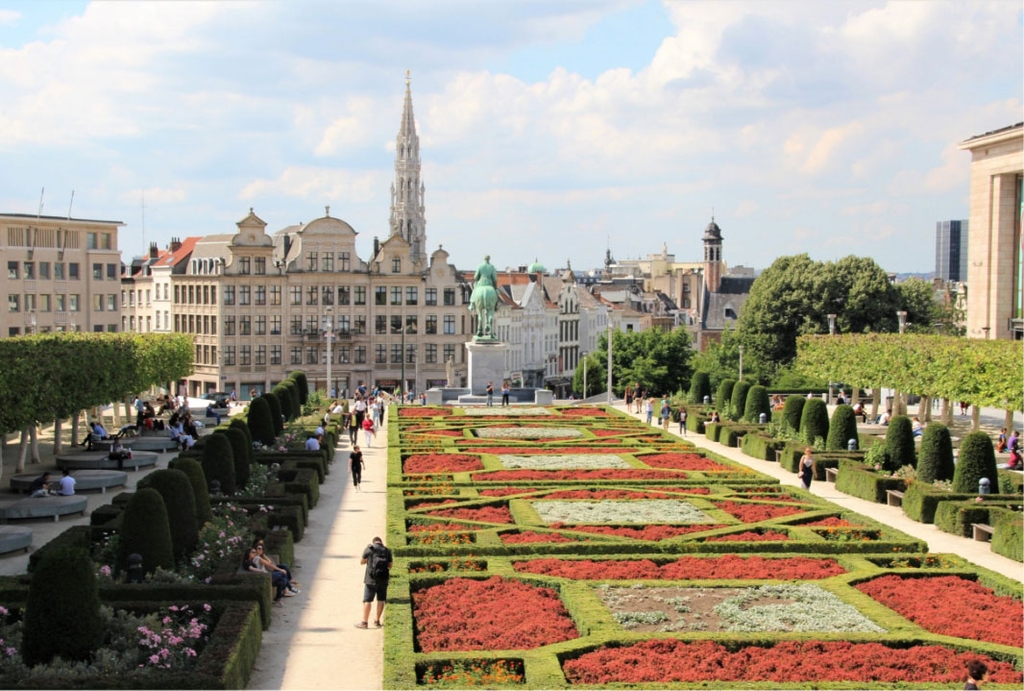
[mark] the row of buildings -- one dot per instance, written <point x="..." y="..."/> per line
<point x="260" y="304"/>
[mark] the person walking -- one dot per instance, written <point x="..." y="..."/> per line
<point x="806" y="468"/>
<point x="378" y="560"/>
<point x="356" y="465"/>
<point x="666" y="411"/>
<point x="649" y="409"/>
<point x="368" y="431"/>
<point x="682" y="421"/>
<point x="490" y="395"/>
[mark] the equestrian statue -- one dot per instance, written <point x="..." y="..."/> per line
<point x="484" y="299"/>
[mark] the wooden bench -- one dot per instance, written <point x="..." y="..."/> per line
<point x="893" y="497"/>
<point x="982" y="532"/>
<point x="831" y="474"/>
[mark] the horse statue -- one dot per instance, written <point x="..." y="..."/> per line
<point x="484" y="299"/>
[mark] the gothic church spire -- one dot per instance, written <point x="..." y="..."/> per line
<point x="408" y="217"/>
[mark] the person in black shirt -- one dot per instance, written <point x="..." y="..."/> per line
<point x="378" y="560"/>
<point x="356" y="465"/>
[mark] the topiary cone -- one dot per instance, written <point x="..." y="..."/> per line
<point x="146" y="530"/>
<point x="899" y="443"/>
<point x="935" y="457"/>
<point x="179" y="500"/>
<point x="977" y="460"/>
<point x="842" y="428"/>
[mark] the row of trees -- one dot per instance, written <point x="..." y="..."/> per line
<point x="659" y="361"/>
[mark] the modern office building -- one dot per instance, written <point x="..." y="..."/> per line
<point x="951" y="250"/>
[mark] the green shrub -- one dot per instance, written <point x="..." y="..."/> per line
<point x="193" y="470"/>
<point x="935" y="458"/>
<point x="977" y="460"/>
<point x="284" y="399"/>
<point x="289" y="389"/>
<point x="792" y="412"/>
<point x="179" y="500"/>
<point x="219" y="462"/>
<point x="238" y="423"/>
<point x="859" y="481"/>
<point x="62" y="614"/>
<point x="240" y="450"/>
<point x="299" y="377"/>
<point x="757" y="403"/>
<point x="700" y="386"/>
<point x="899" y="443"/>
<point x="738" y="400"/>
<point x="814" y="420"/>
<point x="261" y="421"/>
<point x="276" y="416"/>
<point x="145" y="530"/>
<point x="1008" y="533"/>
<point x="841" y="429"/>
<point x="724" y="393"/>
<point x="761" y="446"/>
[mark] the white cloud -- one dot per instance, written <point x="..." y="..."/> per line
<point x="317" y="185"/>
<point x="747" y="208"/>
<point x="156" y="195"/>
<point x="9" y="17"/>
<point x="828" y="145"/>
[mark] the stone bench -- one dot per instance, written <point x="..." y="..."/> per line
<point x="14" y="538"/>
<point x="982" y="532"/>
<point x="831" y="474"/>
<point x="159" y="444"/>
<point x="94" y="460"/>
<point x="41" y="507"/>
<point x="893" y="497"/>
<point x="84" y="480"/>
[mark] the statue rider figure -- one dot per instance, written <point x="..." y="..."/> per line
<point x="484" y="299"/>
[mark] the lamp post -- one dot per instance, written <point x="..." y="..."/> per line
<point x="584" y="376"/>
<point x="328" y="337"/>
<point x="831" y="332"/>
<point x="898" y="409"/>
<point x="901" y="315"/>
<point x="609" y="361"/>
<point x="741" y="363"/>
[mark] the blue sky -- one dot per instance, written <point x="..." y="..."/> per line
<point x="549" y="129"/>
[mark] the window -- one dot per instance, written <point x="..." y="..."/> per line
<point x="343" y="323"/>
<point x="260" y="266"/>
<point x="111" y="272"/>
<point x="295" y="329"/>
<point x="312" y="356"/>
<point x="360" y="355"/>
<point x="13" y="303"/>
<point x="244" y="326"/>
<point x="229" y="355"/>
<point x="260" y="295"/>
<point x="381" y="296"/>
<point x="60" y="302"/>
<point x="449" y="296"/>
<point x="344" y="295"/>
<point x="261" y="327"/>
<point x="97" y="272"/>
<point x="296" y="355"/>
<point x="90" y="241"/>
<point x="148" y="301"/>
<point x="191" y="323"/>
<point x="295" y="295"/>
<point x="275" y="355"/>
<point x="12" y="271"/>
<point x="396" y="353"/>
<point x="430" y="298"/>
<point x="58" y="271"/>
<point x="275" y="295"/>
<point x="327" y="295"/>
<point x="213" y="324"/>
<point x="431" y="352"/>
<point x="73" y="302"/>
<point x="229" y="295"/>
<point x="396" y="323"/>
<point x="396" y="295"/>
<point x="449" y="324"/>
<point x="244" y="297"/>
<point x="104" y="241"/>
<point x="311" y="261"/>
<point x="412" y="324"/>
<point x="73" y="271"/>
<point x="380" y="354"/>
<point x="213" y="295"/>
<point x="343" y="355"/>
<point x="381" y="324"/>
<point x="359" y="325"/>
<point x="44" y="270"/>
<point x="97" y="303"/>
<point x="311" y="295"/>
<point x="396" y="265"/>
<point x="275" y="325"/>
<point x="112" y="303"/>
<point x="360" y="295"/>
<point x="345" y="260"/>
<point x="191" y="295"/>
<point x="13" y="331"/>
<point x="245" y="355"/>
<point x="261" y="355"/>
<point x="432" y="324"/>
<point x="328" y="261"/>
<point x="449" y="352"/>
<point x="411" y="295"/>
<point x="311" y="324"/>
<point x="30" y="270"/>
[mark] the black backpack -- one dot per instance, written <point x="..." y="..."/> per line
<point x="378" y="563"/>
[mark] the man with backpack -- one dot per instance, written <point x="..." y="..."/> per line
<point x="378" y="560"/>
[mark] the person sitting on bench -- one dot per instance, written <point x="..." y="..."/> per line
<point x="40" y="487"/>
<point x="119" y="453"/>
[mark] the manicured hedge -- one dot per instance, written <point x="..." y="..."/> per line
<point x="761" y="446"/>
<point x="1008" y="536"/>
<point x="921" y="500"/>
<point x="956" y="517"/>
<point x="859" y="481"/>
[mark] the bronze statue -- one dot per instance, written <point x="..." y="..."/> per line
<point x="484" y="299"/>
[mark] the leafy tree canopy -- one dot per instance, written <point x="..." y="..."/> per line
<point x="658" y="360"/>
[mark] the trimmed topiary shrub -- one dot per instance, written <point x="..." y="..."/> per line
<point x="145" y="530"/>
<point x="219" y="462"/>
<point x="179" y="500"/>
<point x="284" y="398"/>
<point x="62" y="613"/>
<point x="792" y="412"/>
<point x="193" y="470"/>
<point x="275" y="411"/>
<point x="299" y="377"/>
<point x="814" y="420"/>
<point x="899" y="443"/>
<point x="724" y="393"/>
<point x="841" y="429"/>
<point x="757" y="403"/>
<point x="935" y="457"/>
<point x="289" y="388"/>
<point x="977" y="460"/>
<point x="700" y="386"/>
<point x="261" y="421"/>
<point x="240" y="424"/>
<point x="240" y="451"/>
<point x="738" y="401"/>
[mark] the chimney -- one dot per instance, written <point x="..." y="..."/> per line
<point x="153" y="250"/>
<point x="376" y="246"/>
<point x="175" y="244"/>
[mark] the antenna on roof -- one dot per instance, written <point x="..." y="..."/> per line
<point x="143" y="218"/>
<point x="71" y="203"/>
<point x="40" y="212"/>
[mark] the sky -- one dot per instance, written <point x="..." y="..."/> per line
<point x="550" y="130"/>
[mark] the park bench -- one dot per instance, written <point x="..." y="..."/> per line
<point x="893" y="497"/>
<point x="982" y="532"/>
<point x="42" y="507"/>
<point x="831" y="474"/>
<point x="14" y="538"/>
<point x="84" y="480"/>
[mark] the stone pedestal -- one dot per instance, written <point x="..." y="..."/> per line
<point x="544" y="397"/>
<point x="435" y="397"/>
<point x="486" y="364"/>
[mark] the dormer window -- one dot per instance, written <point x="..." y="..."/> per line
<point x="729" y="313"/>
<point x="244" y="266"/>
<point x="396" y="265"/>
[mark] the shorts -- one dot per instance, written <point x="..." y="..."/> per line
<point x="378" y="590"/>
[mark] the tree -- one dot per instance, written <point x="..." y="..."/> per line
<point x="700" y="387"/>
<point x="814" y="420"/>
<point x="276" y="416"/>
<point x="721" y="360"/>
<point x="935" y="458"/>
<point x="193" y="469"/>
<point x="841" y="429"/>
<point x="595" y="366"/>
<point x="179" y="500"/>
<point x="261" y="422"/>
<point x="977" y="460"/>
<point x="657" y="360"/>
<point x="240" y="451"/>
<point x="146" y="531"/>
<point x="757" y="404"/>
<point x="724" y="393"/>
<point x="899" y="443"/>
<point x="219" y="462"/>
<point x="738" y="402"/>
<point x="792" y="412"/>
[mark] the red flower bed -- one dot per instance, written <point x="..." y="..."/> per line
<point x="421" y="411"/>
<point x="581" y="412"/>
<point x="601" y="474"/>
<point x="611" y="432"/>
<point x="490" y="514"/>
<point x="493" y="614"/>
<point x="442" y="432"/>
<point x="685" y="568"/>
<point x="649" y="532"/>
<point x="437" y="527"/>
<point x="751" y="536"/>
<point x="441" y="463"/>
<point x="752" y="513"/>
<point x="951" y="606"/>
<point x="681" y="461"/>
<point x="505" y="491"/>
<point x="682" y="490"/>
<point x="431" y="504"/>
<point x="605" y="494"/>
<point x="534" y="450"/>
<point x="787" y="662"/>
<point x="830" y="522"/>
<point x="533" y="536"/>
<point x="773" y="497"/>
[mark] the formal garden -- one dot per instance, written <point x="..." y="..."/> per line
<point x="574" y="546"/>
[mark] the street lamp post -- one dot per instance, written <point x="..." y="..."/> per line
<point x="898" y="408"/>
<point x="741" y="363"/>
<point x="609" y="361"/>
<point x="584" y="376"/>
<point x="831" y="332"/>
<point x="328" y="337"/>
<point x="902" y="316"/>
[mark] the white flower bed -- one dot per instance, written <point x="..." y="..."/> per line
<point x="634" y="511"/>
<point x="569" y="461"/>
<point x="485" y="411"/>
<point x="528" y="433"/>
<point x="812" y="609"/>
